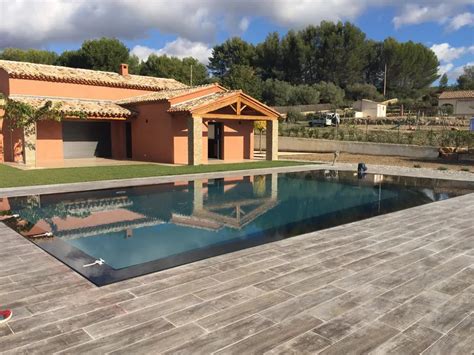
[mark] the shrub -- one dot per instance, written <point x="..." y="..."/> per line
<point x="294" y="116"/>
<point x="341" y="134"/>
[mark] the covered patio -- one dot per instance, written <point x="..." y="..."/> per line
<point x="221" y="124"/>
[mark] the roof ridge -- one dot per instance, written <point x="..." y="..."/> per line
<point x="48" y="72"/>
<point x="198" y="98"/>
<point x="58" y="66"/>
<point x="162" y="94"/>
<point x="62" y="98"/>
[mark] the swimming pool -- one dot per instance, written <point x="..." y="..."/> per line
<point x="143" y="229"/>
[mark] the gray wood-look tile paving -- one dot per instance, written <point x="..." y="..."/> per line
<point x="397" y="283"/>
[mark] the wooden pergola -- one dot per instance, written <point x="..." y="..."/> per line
<point x="233" y="105"/>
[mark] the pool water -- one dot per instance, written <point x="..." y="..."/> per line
<point x="143" y="229"/>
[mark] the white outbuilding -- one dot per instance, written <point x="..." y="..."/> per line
<point x="369" y="109"/>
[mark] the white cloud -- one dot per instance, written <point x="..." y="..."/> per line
<point x="244" y="24"/>
<point x="415" y="14"/>
<point x="446" y="53"/>
<point x="457" y="71"/>
<point x="445" y="68"/>
<point x="440" y="11"/>
<point x="461" y="20"/>
<point x="36" y="23"/>
<point x="180" y="48"/>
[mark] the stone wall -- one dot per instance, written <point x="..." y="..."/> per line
<point x="293" y="144"/>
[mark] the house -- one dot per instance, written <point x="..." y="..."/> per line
<point x="461" y="101"/>
<point x="367" y="108"/>
<point x="129" y="117"/>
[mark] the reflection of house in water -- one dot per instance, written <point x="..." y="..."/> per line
<point x="90" y="217"/>
<point x="230" y="203"/>
<point x="204" y="204"/>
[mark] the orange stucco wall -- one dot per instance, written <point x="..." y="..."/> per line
<point x="238" y="140"/>
<point x="49" y="141"/>
<point x="48" y="88"/>
<point x="152" y="138"/>
<point x="117" y="135"/>
<point x="180" y="140"/>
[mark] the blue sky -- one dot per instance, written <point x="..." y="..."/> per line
<point x="192" y="27"/>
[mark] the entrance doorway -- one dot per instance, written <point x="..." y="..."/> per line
<point x="214" y="140"/>
<point x="86" y="139"/>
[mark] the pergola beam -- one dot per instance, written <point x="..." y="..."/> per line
<point x="235" y="117"/>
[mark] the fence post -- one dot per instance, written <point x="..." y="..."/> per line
<point x="366" y="128"/>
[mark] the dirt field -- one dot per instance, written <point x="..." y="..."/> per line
<point x="384" y="160"/>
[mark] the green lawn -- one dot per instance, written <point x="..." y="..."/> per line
<point x="12" y="177"/>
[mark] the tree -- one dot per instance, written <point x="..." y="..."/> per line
<point x="336" y="52"/>
<point x="175" y="68"/>
<point x="375" y="66"/>
<point x="199" y="70"/>
<point x="362" y="91"/>
<point x="73" y="59"/>
<point x="303" y="95"/>
<point x="466" y="80"/>
<point x="276" y="92"/>
<point x="443" y="82"/>
<point x="232" y="52"/>
<point x="29" y="55"/>
<point x="134" y="64"/>
<point x="268" y="58"/>
<point x="330" y="94"/>
<point x="100" y="54"/>
<point x="293" y="57"/>
<point x="411" y="68"/>
<point x="104" y="54"/>
<point x="243" y="77"/>
<point x="260" y="126"/>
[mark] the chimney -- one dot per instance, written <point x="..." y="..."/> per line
<point x="123" y="70"/>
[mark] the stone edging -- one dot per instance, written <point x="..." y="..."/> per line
<point x="124" y="183"/>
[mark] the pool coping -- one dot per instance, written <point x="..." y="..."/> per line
<point x="123" y="183"/>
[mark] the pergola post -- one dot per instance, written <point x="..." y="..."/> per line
<point x="272" y="140"/>
<point x="194" y="140"/>
<point x="29" y="144"/>
<point x="198" y="198"/>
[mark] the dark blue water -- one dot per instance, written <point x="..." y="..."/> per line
<point x="144" y="229"/>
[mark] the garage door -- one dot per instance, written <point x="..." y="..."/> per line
<point x="86" y="139"/>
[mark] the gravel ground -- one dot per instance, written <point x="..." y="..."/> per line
<point x="440" y="164"/>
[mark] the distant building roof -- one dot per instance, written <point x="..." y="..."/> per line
<point x="92" y="108"/>
<point x="24" y="70"/>
<point x="459" y="94"/>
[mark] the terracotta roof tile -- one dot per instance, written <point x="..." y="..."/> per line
<point x="92" y="108"/>
<point x="163" y="95"/>
<point x="24" y="70"/>
<point x="460" y="94"/>
<point x="200" y="101"/>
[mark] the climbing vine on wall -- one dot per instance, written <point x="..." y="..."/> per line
<point x="23" y="115"/>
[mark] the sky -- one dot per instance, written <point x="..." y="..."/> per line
<point x="192" y="27"/>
